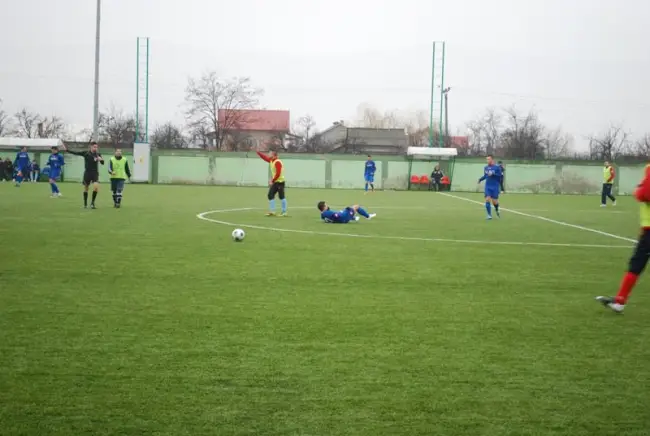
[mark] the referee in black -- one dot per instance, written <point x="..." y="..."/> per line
<point x="92" y="158"/>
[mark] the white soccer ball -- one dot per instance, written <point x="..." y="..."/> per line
<point x="238" y="235"/>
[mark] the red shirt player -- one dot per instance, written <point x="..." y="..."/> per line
<point x="641" y="255"/>
<point x="276" y="185"/>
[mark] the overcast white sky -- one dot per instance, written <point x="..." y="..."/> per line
<point x="580" y="63"/>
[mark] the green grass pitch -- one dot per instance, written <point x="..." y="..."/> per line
<point x="430" y="321"/>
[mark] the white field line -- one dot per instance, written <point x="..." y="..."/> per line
<point x="204" y="216"/>
<point x="542" y="218"/>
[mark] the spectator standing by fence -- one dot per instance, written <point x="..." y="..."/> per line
<point x="8" y="173"/>
<point x="36" y="171"/>
<point x="503" y="177"/>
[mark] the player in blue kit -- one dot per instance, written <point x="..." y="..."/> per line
<point x="343" y="216"/>
<point x="22" y="165"/>
<point x="492" y="175"/>
<point x="55" y="162"/>
<point x="369" y="173"/>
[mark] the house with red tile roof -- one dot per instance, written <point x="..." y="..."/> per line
<point x="246" y="129"/>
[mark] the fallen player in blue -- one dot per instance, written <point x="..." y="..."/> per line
<point x="342" y="216"/>
<point x="492" y="175"/>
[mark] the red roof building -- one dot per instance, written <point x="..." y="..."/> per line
<point x="246" y="129"/>
<point x="254" y="120"/>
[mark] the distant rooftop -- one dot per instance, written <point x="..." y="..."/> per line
<point x="256" y="120"/>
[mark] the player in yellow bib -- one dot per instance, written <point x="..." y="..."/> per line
<point x="118" y="168"/>
<point x="609" y="174"/>
<point x="276" y="185"/>
<point x="641" y="255"/>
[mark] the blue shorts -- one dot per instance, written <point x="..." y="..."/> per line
<point x="492" y="192"/>
<point x="347" y="215"/>
<point x="54" y="174"/>
<point x="370" y="178"/>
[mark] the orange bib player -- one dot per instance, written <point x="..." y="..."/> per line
<point x="276" y="185"/>
<point x="641" y="255"/>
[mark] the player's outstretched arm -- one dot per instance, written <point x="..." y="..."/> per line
<point x="263" y="156"/>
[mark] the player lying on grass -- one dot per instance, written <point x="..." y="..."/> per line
<point x="342" y="216"/>
<point x="641" y="255"/>
<point x="492" y="176"/>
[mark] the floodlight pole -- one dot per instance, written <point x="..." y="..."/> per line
<point x="96" y="94"/>
<point x="446" y="94"/>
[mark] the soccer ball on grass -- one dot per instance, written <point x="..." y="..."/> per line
<point x="238" y="235"/>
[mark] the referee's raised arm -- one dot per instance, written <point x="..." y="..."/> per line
<point x="77" y="153"/>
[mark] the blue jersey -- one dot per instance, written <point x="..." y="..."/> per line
<point x="492" y="175"/>
<point x="370" y="168"/>
<point x="338" y="217"/>
<point x="22" y="160"/>
<point x="55" y="162"/>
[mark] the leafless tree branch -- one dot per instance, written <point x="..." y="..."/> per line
<point x="609" y="144"/>
<point x="168" y="135"/>
<point x="5" y="121"/>
<point x="206" y="96"/>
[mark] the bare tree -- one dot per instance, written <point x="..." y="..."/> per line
<point x="26" y="124"/>
<point x="305" y="127"/>
<point x="5" y="121"/>
<point x="32" y="125"/>
<point x="374" y="119"/>
<point x="484" y="133"/>
<point x="168" y="135"/>
<point x="642" y="146"/>
<point x="523" y="136"/>
<point x="610" y="144"/>
<point x="558" y="144"/>
<point x="493" y="122"/>
<point x="199" y="134"/>
<point x="207" y="96"/>
<point x="117" y="127"/>
<point x="417" y="129"/>
<point x="51" y="127"/>
<point x="477" y="147"/>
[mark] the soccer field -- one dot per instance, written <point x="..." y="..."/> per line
<point x="428" y="320"/>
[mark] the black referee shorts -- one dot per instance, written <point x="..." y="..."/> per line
<point x="641" y="255"/>
<point x="90" y="177"/>
<point x="276" y="188"/>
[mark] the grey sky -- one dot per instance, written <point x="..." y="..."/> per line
<point x="580" y="63"/>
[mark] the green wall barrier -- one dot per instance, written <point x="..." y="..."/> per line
<point x="531" y="178"/>
<point x="346" y="172"/>
<point x="397" y="176"/>
<point x="629" y="178"/>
